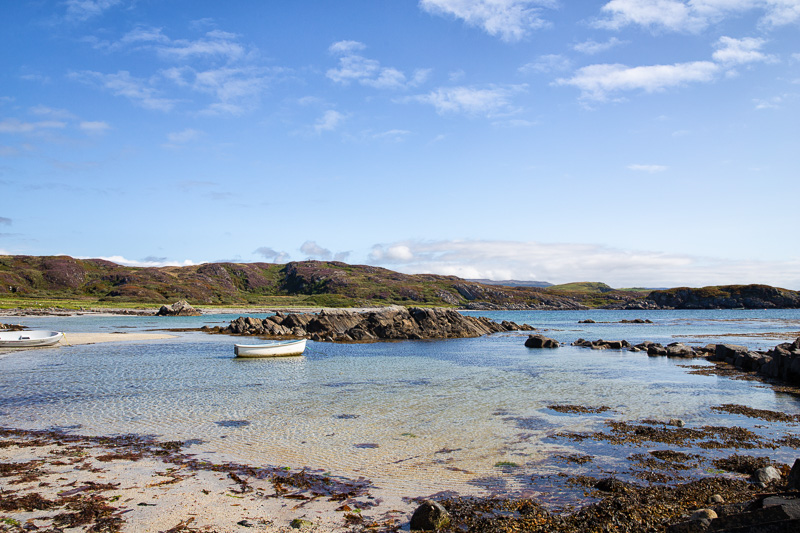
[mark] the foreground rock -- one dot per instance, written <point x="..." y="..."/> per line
<point x="181" y="308"/>
<point x="388" y="323"/>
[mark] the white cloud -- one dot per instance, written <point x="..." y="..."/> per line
<point x="693" y="15"/>
<point x="651" y="169"/>
<point x="561" y="263"/>
<point x="511" y="20"/>
<point x="471" y="101"/>
<point x="598" y="82"/>
<point x="732" y="51"/>
<point x="329" y="121"/>
<point x="354" y="67"/>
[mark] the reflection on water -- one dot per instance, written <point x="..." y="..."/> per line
<point x="418" y="417"/>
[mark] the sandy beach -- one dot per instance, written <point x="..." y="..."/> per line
<point x="76" y="339"/>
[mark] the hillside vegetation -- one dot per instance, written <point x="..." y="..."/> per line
<point x="96" y="282"/>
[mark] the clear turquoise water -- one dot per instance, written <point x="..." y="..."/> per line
<point x="417" y="417"/>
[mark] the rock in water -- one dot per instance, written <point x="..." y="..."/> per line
<point x="429" y="516"/>
<point x="540" y="341"/>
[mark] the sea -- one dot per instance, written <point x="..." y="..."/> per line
<point x="417" y="418"/>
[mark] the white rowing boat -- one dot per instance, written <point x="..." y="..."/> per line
<point x="273" y="349"/>
<point x="29" y="339"/>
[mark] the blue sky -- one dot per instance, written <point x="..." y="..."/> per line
<point x="636" y="142"/>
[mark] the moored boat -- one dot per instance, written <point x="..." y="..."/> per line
<point x="273" y="349"/>
<point x="29" y="339"/>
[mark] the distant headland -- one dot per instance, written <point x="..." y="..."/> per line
<point x="63" y="281"/>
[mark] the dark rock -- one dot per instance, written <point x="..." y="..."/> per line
<point x="793" y="481"/>
<point x="540" y="341"/>
<point x="429" y="516"/>
<point x="601" y="344"/>
<point x="181" y="308"/>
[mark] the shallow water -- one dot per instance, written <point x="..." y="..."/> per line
<point x="417" y="417"/>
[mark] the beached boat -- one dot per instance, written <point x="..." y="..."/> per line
<point x="273" y="349"/>
<point x="29" y="339"/>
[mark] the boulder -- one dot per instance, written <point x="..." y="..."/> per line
<point x="540" y="341"/>
<point x="180" y="308"/>
<point x="429" y="516"/>
<point x="766" y="475"/>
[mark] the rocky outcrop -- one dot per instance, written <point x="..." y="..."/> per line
<point x="181" y="308"/>
<point x="727" y="297"/>
<point x="388" y="323"/>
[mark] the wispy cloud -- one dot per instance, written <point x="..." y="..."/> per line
<point x="5" y="221"/>
<point x="354" y="67"/>
<point x="547" y="64"/>
<point x="490" y="101"/>
<point x="650" y="169"/>
<point x="593" y="47"/>
<point x="96" y="127"/>
<point x="329" y="121"/>
<point x="14" y="125"/>
<point x="511" y="20"/>
<point x="560" y="263"/>
<point x="80" y="10"/>
<point x="136" y="90"/>
<point x="271" y="255"/>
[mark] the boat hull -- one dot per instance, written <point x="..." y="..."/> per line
<point x="275" y="349"/>
<point x="29" y="339"/>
